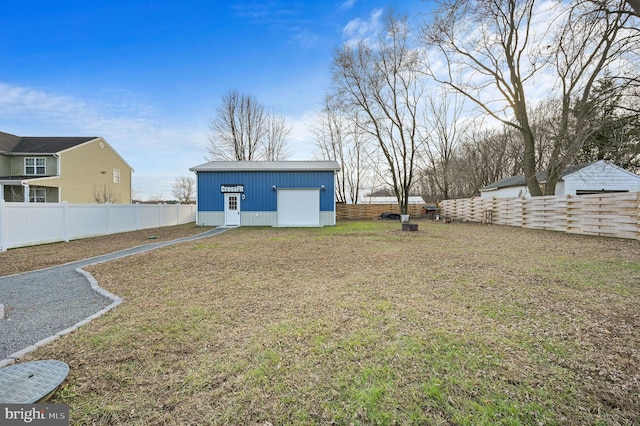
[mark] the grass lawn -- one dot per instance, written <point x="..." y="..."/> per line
<point x="362" y="324"/>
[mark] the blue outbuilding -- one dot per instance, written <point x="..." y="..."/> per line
<point x="266" y="193"/>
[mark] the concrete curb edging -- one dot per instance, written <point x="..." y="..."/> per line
<point x="94" y="285"/>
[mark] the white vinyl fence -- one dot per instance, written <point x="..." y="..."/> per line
<point x="24" y="224"/>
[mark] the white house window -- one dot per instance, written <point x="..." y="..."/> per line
<point x="116" y="175"/>
<point x="37" y="195"/>
<point x="35" y="166"/>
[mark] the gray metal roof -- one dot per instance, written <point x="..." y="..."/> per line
<point x="39" y="144"/>
<point x="266" y="166"/>
<point x="507" y="182"/>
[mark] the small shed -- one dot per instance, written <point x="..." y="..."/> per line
<point x="266" y="193"/>
<point x="591" y="178"/>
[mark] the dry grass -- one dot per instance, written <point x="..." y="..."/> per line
<point x="24" y="259"/>
<point x="364" y="324"/>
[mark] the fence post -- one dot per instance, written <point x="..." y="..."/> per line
<point x="566" y="214"/>
<point x="107" y="208"/>
<point x="3" y="220"/>
<point x="638" y="214"/>
<point x="65" y="221"/>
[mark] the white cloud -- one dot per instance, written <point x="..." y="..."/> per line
<point x="16" y="101"/>
<point x="304" y="37"/>
<point x="348" y="4"/>
<point x="280" y="16"/>
<point x="157" y="148"/>
<point x="364" y="30"/>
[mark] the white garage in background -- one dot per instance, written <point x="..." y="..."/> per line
<point x="580" y="179"/>
<point x="298" y="207"/>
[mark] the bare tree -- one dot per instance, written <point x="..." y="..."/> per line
<point x="238" y="128"/>
<point x="444" y="120"/>
<point x="616" y="137"/>
<point x="481" y="156"/>
<point x="339" y="138"/>
<point x="356" y="170"/>
<point x="488" y="155"/>
<point x="155" y="199"/>
<point x="183" y="189"/>
<point x="330" y="133"/>
<point x="383" y="83"/>
<point x="104" y="194"/>
<point x="486" y="47"/>
<point x="275" y="143"/>
<point x="544" y="124"/>
<point x="498" y="52"/>
<point x="594" y="42"/>
<point x="243" y="130"/>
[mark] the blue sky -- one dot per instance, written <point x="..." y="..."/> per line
<point x="148" y="75"/>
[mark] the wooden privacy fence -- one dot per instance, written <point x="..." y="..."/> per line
<point x="372" y="211"/>
<point x="23" y="224"/>
<point x="611" y="215"/>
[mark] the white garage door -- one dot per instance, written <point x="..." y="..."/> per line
<point x="298" y="207"/>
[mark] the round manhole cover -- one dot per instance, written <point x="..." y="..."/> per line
<point x="31" y="382"/>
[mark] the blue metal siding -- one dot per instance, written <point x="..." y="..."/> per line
<point x="259" y="195"/>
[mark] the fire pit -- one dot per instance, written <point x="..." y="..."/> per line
<point x="409" y="226"/>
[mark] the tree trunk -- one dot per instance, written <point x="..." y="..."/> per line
<point x="530" y="163"/>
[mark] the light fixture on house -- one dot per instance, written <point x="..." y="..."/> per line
<point x="274" y="187"/>
<point x="322" y="188"/>
<point x="103" y="172"/>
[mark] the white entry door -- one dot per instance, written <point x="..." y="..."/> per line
<point x="232" y="209"/>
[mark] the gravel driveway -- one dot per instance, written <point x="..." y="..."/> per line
<point x="43" y="305"/>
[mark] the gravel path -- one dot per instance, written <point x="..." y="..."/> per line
<point x="43" y="305"/>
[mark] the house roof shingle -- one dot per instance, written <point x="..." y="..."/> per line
<point x="39" y="144"/>
<point x="8" y="142"/>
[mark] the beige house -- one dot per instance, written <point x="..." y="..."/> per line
<point x="56" y="169"/>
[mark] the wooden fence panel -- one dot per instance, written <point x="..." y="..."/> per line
<point x="507" y="211"/>
<point x="448" y="209"/>
<point x="372" y="211"/>
<point x="547" y="213"/>
<point x="475" y="214"/>
<point x="612" y="215"/>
